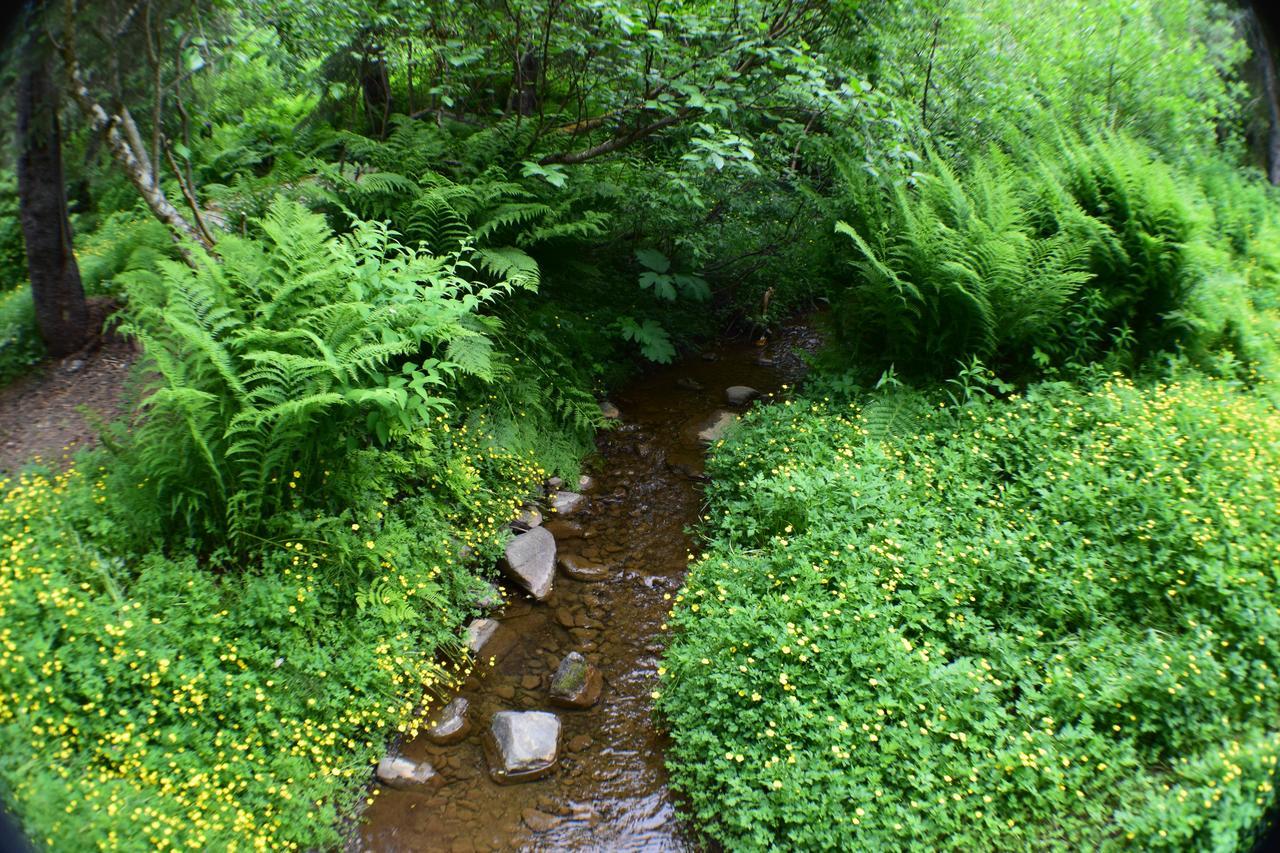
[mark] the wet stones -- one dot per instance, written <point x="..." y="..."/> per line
<point x="581" y="569"/>
<point x="528" y="519"/>
<point x="530" y="561"/>
<point x="609" y="411"/>
<point x="688" y="383"/>
<point x="523" y="745"/>
<point x="479" y="632"/>
<point x="586" y="483"/>
<point x="539" y="821"/>
<point x="576" y="684"/>
<point x="717" y="427"/>
<point x="401" y="772"/>
<point x="562" y="528"/>
<point x="451" y="723"/>
<point x="565" y="503"/>
<point x="740" y="395"/>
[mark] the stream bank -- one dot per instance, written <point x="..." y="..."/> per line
<point x="609" y="787"/>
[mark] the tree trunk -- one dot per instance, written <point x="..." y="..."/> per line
<point x="1263" y="36"/>
<point x="61" y="312"/>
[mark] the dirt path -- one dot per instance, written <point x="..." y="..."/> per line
<point x="42" y="415"/>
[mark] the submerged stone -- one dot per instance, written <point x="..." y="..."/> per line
<point x="581" y="569"/>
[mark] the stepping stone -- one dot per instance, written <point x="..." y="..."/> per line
<point x="576" y="684"/>
<point x="740" y="395"/>
<point x="479" y="632"/>
<point x="401" y="772"/>
<point x="581" y="569"/>
<point x="530" y="561"/>
<point x="564" y="503"/>
<point x="450" y="724"/>
<point x="523" y="745"/>
<point x="717" y="427"/>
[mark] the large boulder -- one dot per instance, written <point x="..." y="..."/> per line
<point x="523" y="745"/>
<point x="450" y="724"/>
<point x="530" y="561"/>
<point x="576" y="684"/>
<point x="717" y="427"/>
<point x="581" y="569"/>
<point x="740" y="395"/>
<point x="401" y="772"/>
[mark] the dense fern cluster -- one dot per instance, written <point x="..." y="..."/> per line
<point x="1074" y="253"/>
<point x="294" y="348"/>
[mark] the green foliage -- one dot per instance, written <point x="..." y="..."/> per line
<point x="957" y="269"/>
<point x="294" y="348"/>
<point x="20" y="344"/>
<point x="1046" y="622"/>
<point x="13" y="252"/>
<point x="153" y="702"/>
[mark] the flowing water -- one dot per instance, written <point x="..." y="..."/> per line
<point x="609" y="790"/>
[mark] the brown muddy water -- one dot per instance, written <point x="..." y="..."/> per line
<point x="609" y="789"/>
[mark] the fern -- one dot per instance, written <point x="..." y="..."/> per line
<point x="267" y="365"/>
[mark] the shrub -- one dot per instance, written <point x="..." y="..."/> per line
<point x="297" y="347"/>
<point x="151" y="703"/>
<point x="1047" y="622"/>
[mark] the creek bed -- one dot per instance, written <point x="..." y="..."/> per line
<point x="609" y="790"/>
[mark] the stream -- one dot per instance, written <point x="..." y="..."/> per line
<point x="609" y="789"/>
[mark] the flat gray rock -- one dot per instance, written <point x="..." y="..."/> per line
<point x="565" y="503"/>
<point x="479" y="632"/>
<point x="524" y="745"/>
<point x="530" y="561"/>
<point x="740" y="395"/>
<point x="451" y="723"/>
<point x="401" y="772"/>
<point x="717" y="427"/>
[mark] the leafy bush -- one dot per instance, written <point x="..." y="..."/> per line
<point x="1076" y="253"/>
<point x="1047" y="622"/>
<point x="955" y="270"/>
<point x="20" y="344"/>
<point x="296" y="347"/>
<point x="153" y="703"/>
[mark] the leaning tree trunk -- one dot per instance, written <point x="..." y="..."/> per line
<point x="61" y="313"/>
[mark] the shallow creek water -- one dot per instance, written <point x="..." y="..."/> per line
<point x="609" y="790"/>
